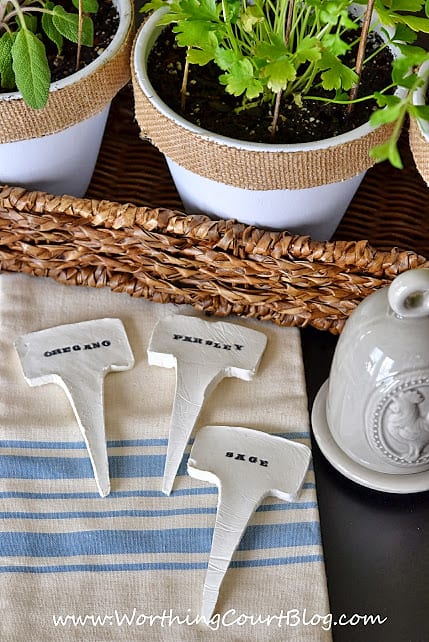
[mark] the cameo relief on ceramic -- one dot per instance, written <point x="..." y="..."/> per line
<point x="397" y="423"/>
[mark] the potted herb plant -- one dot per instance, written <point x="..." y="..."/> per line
<point x="419" y="121"/>
<point x="61" y="63"/>
<point x="275" y="59"/>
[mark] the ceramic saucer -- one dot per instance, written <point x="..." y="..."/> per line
<point x="412" y="483"/>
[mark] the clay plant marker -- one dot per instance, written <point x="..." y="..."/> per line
<point x="247" y="466"/>
<point x="77" y="356"/>
<point x="203" y="353"/>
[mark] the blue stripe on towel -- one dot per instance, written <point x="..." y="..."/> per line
<point x="158" y="566"/>
<point x="205" y="490"/>
<point x="120" y="466"/>
<point x="79" y="445"/>
<point x="118" y="443"/>
<point x="114" y="494"/>
<point x="176" y="540"/>
<point x="169" y="512"/>
<point x="28" y="467"/>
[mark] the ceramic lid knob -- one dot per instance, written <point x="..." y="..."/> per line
<point x="408" y="295"/>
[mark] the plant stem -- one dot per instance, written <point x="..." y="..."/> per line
<point x="18" y="12"/>
<point x="334" y="101"/>
<point x="274" y="122"/>
<point x="184" y="85"/>
<point x="79" y="34"/>
<point x="366" y="22"/>
<point x="230" y="35"/>
<point x="2" y="10"/>
<point x="290" y="11"/>
<point x="12" y="14"/>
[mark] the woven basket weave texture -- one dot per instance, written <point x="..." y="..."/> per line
<point x="131" y="235"/>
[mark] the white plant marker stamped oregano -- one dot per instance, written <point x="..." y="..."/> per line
<point x="203" y="353"/>
<point x="247" y="466"/>
<point x="77" y="356"/>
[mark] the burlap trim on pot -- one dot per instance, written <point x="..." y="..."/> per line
<point x="258" y="170"/>
<point x="70" y="104"/>
<point x="420" y="149"/>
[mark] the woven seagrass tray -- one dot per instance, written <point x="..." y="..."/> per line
<point x="130" y="234"/>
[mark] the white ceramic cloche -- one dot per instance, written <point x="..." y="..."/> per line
<point x="371" y="418"/>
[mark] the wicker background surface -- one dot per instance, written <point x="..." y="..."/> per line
<point x="152" y="249"/>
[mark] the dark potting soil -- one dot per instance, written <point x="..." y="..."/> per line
<point x="106" y="22"/>
<point x="209" y="106"/>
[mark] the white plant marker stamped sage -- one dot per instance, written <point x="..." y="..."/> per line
<point x="77" y="356"/>
<point x="247" y="466"/>
<point x="203" y="353"/>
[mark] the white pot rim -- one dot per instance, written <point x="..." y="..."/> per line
<point x="144" y="41"/>
<point x="125" y="16"/>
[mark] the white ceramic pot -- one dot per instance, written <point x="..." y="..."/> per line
<point x="60" y="157"/>
<point x="376" y="401"/>
<point x="316" y="211"/>
<point x="298" y="196"/>
<point x="419" y="129"/>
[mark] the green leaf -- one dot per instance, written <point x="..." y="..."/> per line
<point x="240" y="80"/>
<point x="31" y="68"/>
<point x="252" y="16"/>
<point x="199" y="57"/>
<point x="152" y="6"/>
<point x="384" y="14"/>
<point x="7" y="77"/>
<point x="329" y="13"/>
<point x="297" y="99"/>
<point x="30" y="21"/>
<point x="407" y="5"/>
<point x="50" y="29"/>
<point x="308" y="50"/>
<point x="88" y="6"/>
<point x="208" y="10"/>
<point x="225" y="58"/>
<point x="386" y="115"/>
<point x="335" y="44"/>
<point x="346" y="22"/>
<point x="196" y="33"/>
<point x="415" y="23"/>
<point x="392" y="109"/>
<point x="409" y="82"/>
<point x="270" y="51"/>
<point x="278" y="74"/>
<point x="387" y="100"/>
<point x="68" y="25"/>
<point x="201" y="45"/>
<point x="419" y="111"/>
<point x="277" y="65"/>
<point x="411" y="57"/>
<point x="404" y="34"/>
<point x="387" y="151"/>
<point x="336" y="75"/>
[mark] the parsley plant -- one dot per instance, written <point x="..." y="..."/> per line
<point x="266" y="49"/>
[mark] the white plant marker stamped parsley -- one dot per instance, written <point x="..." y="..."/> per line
<point x="203" y="353"/>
